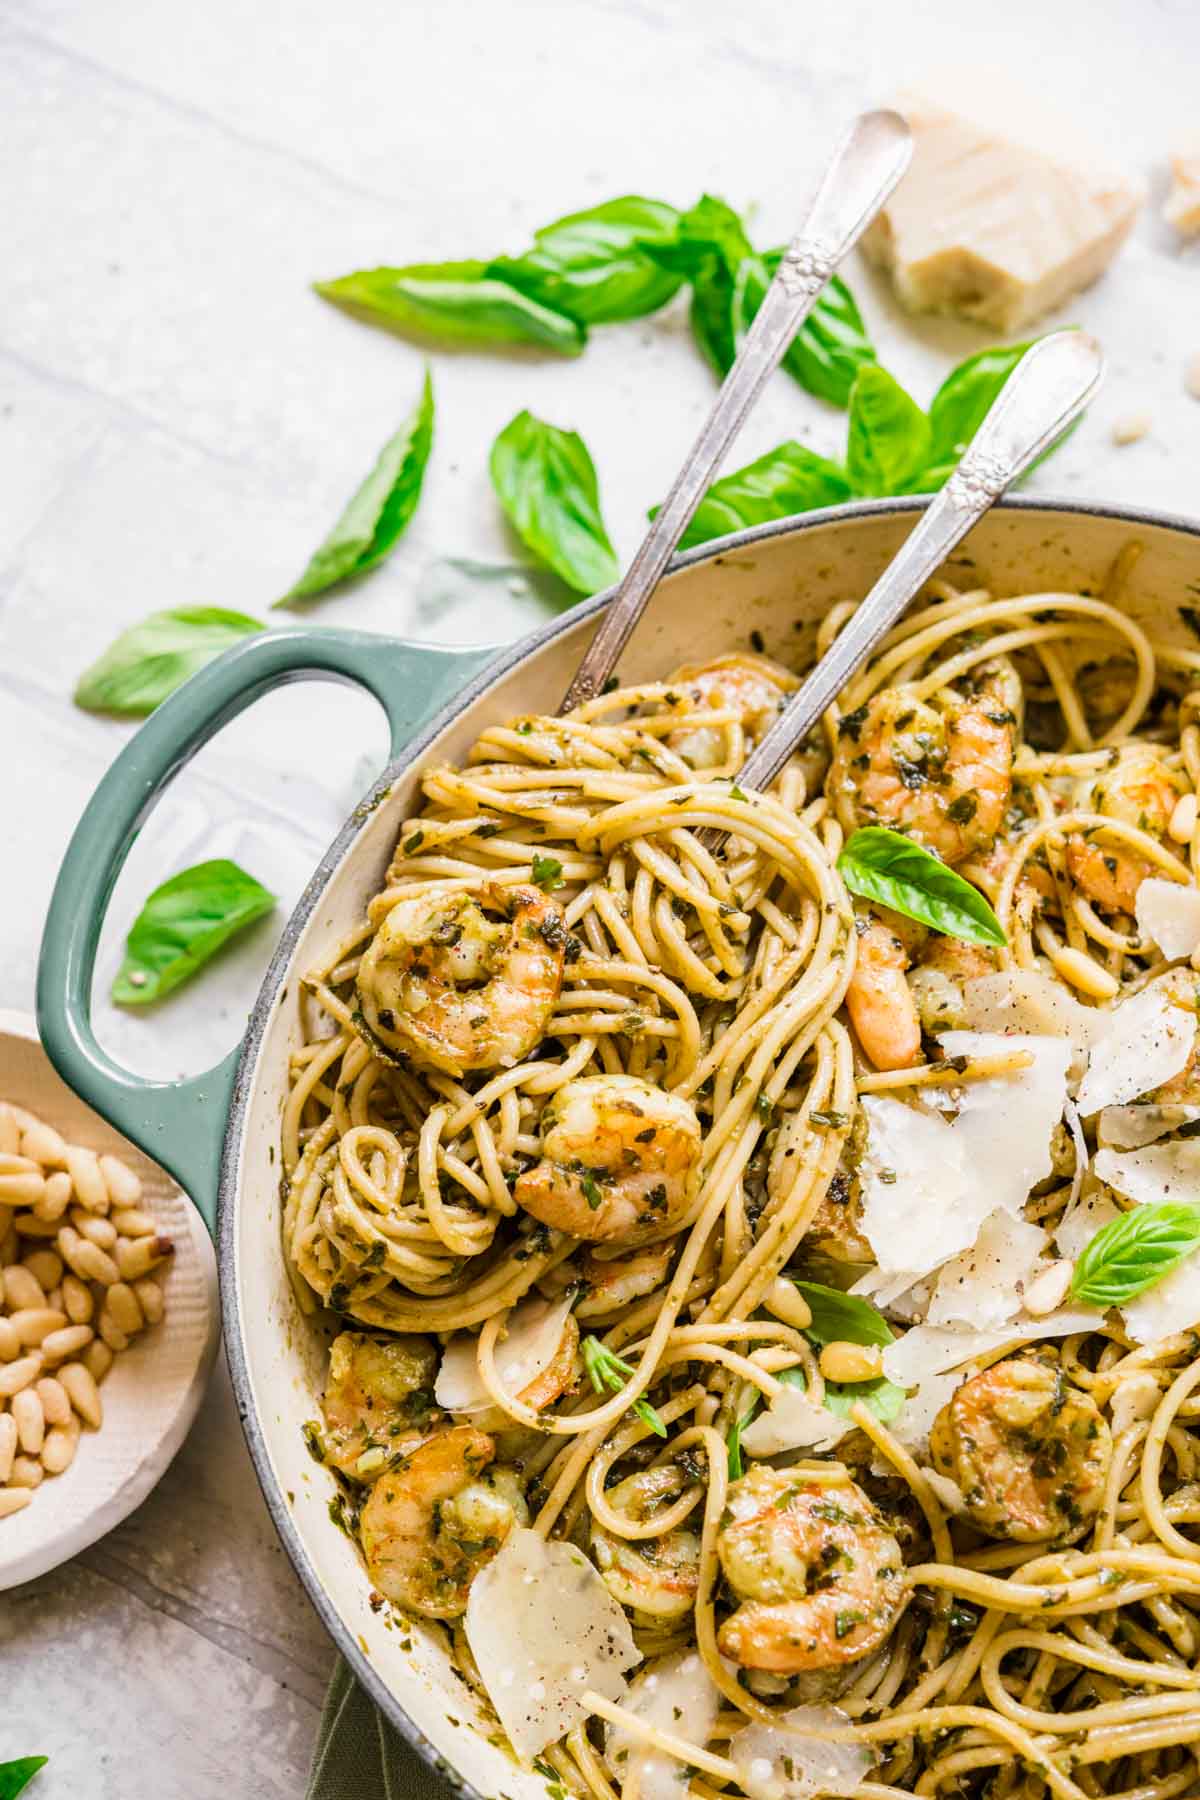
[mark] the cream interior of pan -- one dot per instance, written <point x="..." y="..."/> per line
<point x="777" y="587"/>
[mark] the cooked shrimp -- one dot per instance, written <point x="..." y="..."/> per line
<point x="430" y="1525"/>
<point x="657" y="1576"/>
<point x="618" y="1160"/>
<point x="820" y="1579"/>
<point x="1029" y="1451"/>
<point x="937" y="983"/>
<point x="942" y="776"/>
<point x="378" y="1400"/>
<point x="752" y="687"/>
<point x="881" y="1007"/>
<point x="1140" y="791"/>
<point x="464" y="979"/>
<point x="614" y="1282"/>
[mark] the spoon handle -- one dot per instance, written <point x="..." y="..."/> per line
<point x="1047" y="390"/>
<point x="865" y="168"/>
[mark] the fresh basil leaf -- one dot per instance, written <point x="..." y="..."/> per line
<point x="150" y="660"/>
<point x="452" y="303"/>
<point x="184" y="923"/>
<point x="377" y="514"/>
<point x="964" y="399"/>
<point x="546" y="482"/>
<point x="1134" y="1252"/>
<point x="733" y="1442"/>
<point x="16" y="1776"/>
<point x="789" y="479"/>
<point x="881" y="1396"/>
<point x="888" y="444"/>
<point x="710" y="247"/>
<point x="831" y="346"/>
<point x="886" y="866"/>
<point x="594" y="266"/>
<point x="841" y="1318"/>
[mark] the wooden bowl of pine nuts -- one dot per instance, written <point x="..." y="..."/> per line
<point x="108" y="1316"/>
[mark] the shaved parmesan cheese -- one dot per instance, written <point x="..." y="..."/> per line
<point x="1004" y="1123"/>
<point x="1181" y="208"/>
<point x="922" y="1407"/>
<point x="1168" y="913"/>
<point x="1171" y="1305"/>
<point x="1024" y="1000"/>
<point x="1129" y="1127"/>
<point x="675" y="1694"/>
<point x="1160" y="1172"/>
<point x="1079" y="1224"/>
<point x="792" y="1422"/>
<point x="1148" y="1039"/>
<point x="786" y="1762"/>
<point x="527" y="1348"/>
<point x="928" y="1184"/>
<point x="932" y="1349"/>
<point x="543" y="1629"/>
<point x="1082" y="1154"/>
<point x="982" y="1286"/>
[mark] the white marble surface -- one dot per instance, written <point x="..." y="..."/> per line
<point x="180" y="419"/>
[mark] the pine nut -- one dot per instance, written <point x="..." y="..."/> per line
<point x="1183" y="819"/>
<point x="150" y="1299"/>
<point x="1049" y="1289"/>
<point x="44" y="1144"/>
<point x="55" y="1402"/>
<point x="83" y="1167"/>
<point x="22" y="1288"/>
<point x="46" y="1268"/>
<point x="67" y="1341"/>
<point x="22" y="1188"/>
<point x="97" y="1359"/>
<point x="27" y="1472"/>
<point x="10" y="1131"/>
<point x="77" y="1300"/>
<point x="110" y="1331"/>
<point x="122" y="1303"/>
<point x="13" y="1500"/>
<point x="10" y="1343"/>
<point x="8" y="1445"/>
<point x="132" y="1223"/>
<point x="86" y="1260"/>
<point x="851" y="1362"/>
<point x="137" y="1256"/>
<point x="16" y="1375"/>
<point x="1079" y="970"/>
<point x="29" y="1225"/>
<point x="95" y="1230"/>
<point x="84" y="1394"/>
<point x="56" y="1196"/>
<point x="58" y="1450"/>
<point x="34" y="1323"/>
<point x="54" y="1299"/>
<point x="11" y="1164"/>
<point x="785" y="1300"/>
<point x="31" y="1420"/>
<point x="123" y="1184"/>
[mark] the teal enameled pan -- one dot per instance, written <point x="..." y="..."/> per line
<point x="219" y="1133"/>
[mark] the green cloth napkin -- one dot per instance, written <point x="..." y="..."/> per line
<point x="359" y="1756"/>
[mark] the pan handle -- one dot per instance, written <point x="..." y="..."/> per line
<point x="181" y="1124"/>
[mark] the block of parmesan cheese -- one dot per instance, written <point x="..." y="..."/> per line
<point x="1182" y="205"/>
<point x="986" y="228"/>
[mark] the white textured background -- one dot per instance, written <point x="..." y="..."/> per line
<point x="181" y="419"/>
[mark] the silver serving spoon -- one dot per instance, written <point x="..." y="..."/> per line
<point x="1047" y="390"/>
<point x="865" y="168"/>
